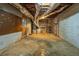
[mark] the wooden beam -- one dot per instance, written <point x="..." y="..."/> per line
<point x="57" y="11"/>
<point x="23" y="10"/>
<point x="51" y="8"/>
<point x="68" y="12"/>
<point x="37" y="10"/>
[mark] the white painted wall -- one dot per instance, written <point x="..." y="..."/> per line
<point x="7" y="39"/>
<point x="69" y="29"/>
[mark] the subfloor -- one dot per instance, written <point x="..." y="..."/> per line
<point x="35" y="46"/>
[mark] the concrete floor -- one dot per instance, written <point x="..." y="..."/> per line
<point x="30" y="47"/>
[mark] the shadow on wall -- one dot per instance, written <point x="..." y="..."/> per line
<point x="5" y="40"/>
<point x="69" y="29"/>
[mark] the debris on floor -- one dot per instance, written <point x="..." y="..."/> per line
<point x="29" y="47"/>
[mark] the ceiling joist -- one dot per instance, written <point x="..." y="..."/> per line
<point x="54" y="12"/>
<point x="23" y="10"/>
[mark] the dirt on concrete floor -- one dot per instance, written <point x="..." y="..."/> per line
<point x="29" y="47"/>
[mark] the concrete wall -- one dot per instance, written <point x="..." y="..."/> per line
<point x="7" y="39"/>
<point x="69" y="29"/>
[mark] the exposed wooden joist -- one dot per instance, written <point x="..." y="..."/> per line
<point x="51" y="8"/>
<point x="52" y="13"/>
<point x="68" y="12"/>
<point x="30" y="7"/>
<point x="37" y="10"/>
<point x="23" y="10"/>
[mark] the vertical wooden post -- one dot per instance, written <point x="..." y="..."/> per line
<point x="56" y="27"/>
<point x="29" y="26"/>
<point x="23" y="25"/>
